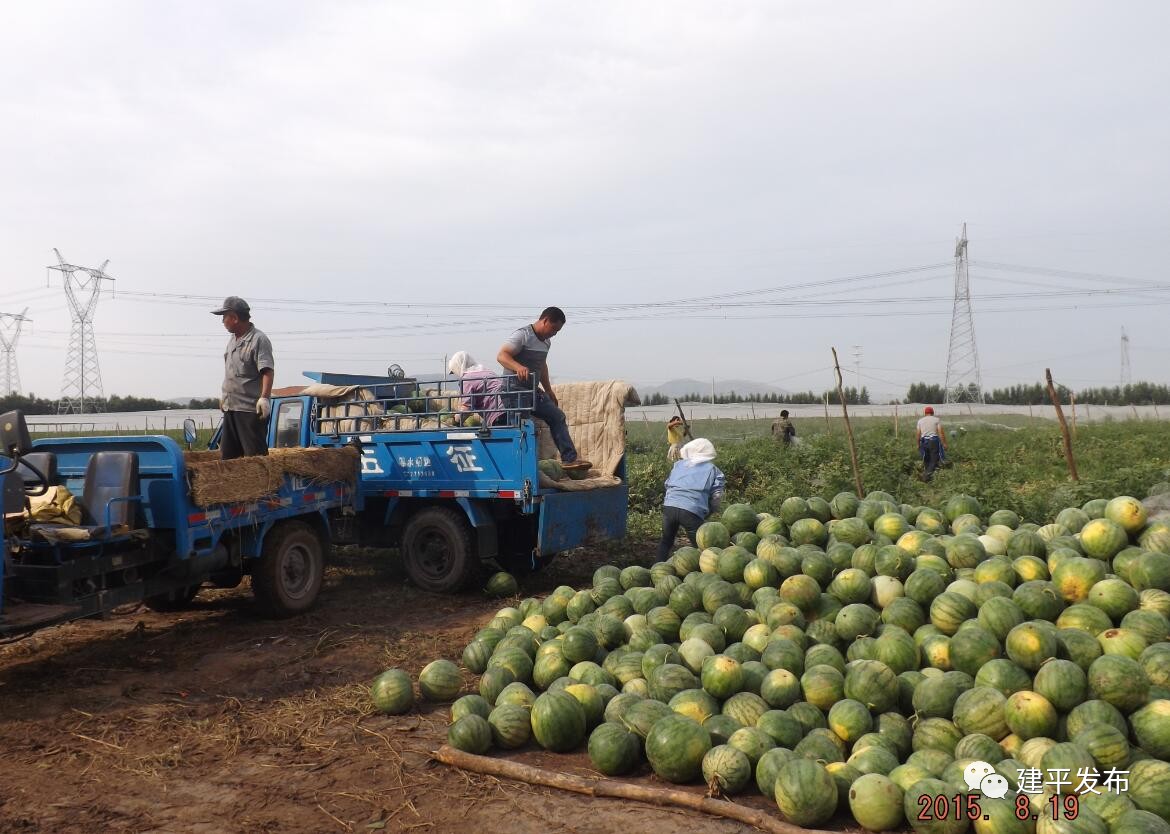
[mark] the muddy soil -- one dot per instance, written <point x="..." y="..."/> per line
<point x="216" y="720"/>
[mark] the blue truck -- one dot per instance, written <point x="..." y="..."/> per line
<point x="448" y="495"/>
<point x="141" y="538"/>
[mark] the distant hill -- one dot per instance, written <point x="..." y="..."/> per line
<point x="681" y="387"/>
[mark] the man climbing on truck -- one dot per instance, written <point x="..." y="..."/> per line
<point x="247" y="382"/>
<point x="525" y="354"/>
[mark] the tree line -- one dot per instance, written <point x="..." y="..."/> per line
<point x="32" y="404"/>
<point x="853" y="396"/>
<point x="1138" y="393"/>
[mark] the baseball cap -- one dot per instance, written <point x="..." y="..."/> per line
<point x="233" y="304"/>
<point x="929" y="410"/>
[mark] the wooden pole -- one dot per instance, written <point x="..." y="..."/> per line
<point x="1134" y="407"/>
<point x="1072" y="398"/>
<point x="828" y="427"/>
<point x="1068" y="453"/>
<point x="617" y="789"/>
<point x="848" y="426"/>
<point x="895" y="421"/>
<point x="1031" y="418"/>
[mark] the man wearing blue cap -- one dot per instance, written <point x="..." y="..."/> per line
<point x="247" y="383"/>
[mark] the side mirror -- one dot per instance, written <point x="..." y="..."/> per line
<point x="14" y="438"/>
<point x="189" y="431"/>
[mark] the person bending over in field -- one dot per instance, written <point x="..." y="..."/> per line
<point x="932" y="443"/>
<point x="694" y="489"/>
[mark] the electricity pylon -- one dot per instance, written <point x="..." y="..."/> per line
<point x="81" y="387"/>
<point x="964" y="381"/>
<point x="10" y="324"/>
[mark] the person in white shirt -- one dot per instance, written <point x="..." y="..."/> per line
<point x="932" y="442"/>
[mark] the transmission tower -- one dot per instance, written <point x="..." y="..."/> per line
<point x="1126" y="375"/>
<point x="82" y="385"/>
<point x="964" y="382"/>
<point x="857" y="367"/>
<point x="10" y="324"/>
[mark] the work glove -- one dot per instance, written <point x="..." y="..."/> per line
<point x="222" y="404"/>
<point x="263" y="408"/>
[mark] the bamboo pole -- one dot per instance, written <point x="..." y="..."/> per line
<point x="1068" y="452"/>
<point x="616" y="789"/>
<point x="848" y="426"/>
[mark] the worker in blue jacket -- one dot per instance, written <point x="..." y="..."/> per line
<point x="694" y="489"/>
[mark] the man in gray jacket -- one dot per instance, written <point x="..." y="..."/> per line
<point x="247" y="383"/>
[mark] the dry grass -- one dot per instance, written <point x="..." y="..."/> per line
<point x="216" y="481"/>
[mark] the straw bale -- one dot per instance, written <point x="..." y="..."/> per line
<point x="216" y="481"/>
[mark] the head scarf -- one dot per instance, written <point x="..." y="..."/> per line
<point x="461" y="363"/>
<point x="699" y="450"/>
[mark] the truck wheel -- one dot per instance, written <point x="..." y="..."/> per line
<point x="437" y="550"/>
<point x="177" y="600"/>
<point x="288" y="575"/>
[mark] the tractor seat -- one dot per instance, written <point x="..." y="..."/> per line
<point x="110" y="479"/>
<point x="43" y="462"/>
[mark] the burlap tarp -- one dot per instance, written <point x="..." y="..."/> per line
<point x="596" y="414"/>
<point x="217" y="481"/>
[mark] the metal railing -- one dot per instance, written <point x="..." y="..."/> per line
<point x="431" y="404"/>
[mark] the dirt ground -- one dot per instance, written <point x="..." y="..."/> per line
<point x="215" y="720"/>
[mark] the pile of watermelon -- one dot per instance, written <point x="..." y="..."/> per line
<point x="858" y="656"/>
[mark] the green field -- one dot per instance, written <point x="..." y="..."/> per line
<point x="1012" y="463"/>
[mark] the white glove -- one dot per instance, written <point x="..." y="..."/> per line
<point x="222" y="404"/>
<point x="263" y="408"/>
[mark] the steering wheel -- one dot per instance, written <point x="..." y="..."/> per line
<point x="38" y="487"/>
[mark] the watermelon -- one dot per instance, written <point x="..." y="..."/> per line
<point x="511" y="726"/>
<point x="614" y="750"/>
<point x="675" y="747"/>
<point x="1106" y="744"/>
<point x="876" y="803"/>
<point x="726" y="771"/>
<point x="981" y="710"/>
<point x="712" y="534"/>
<point x="1030" y="644"/>
<point x="1135" y="821"/>
<point x="440" y="680"/>
<point x="768" y="766"/>
<point x="1128" y="513"/>
<point x="471" y="734"/>
<point x="1118" y="680"/>
<point x="1123" y="641"/>
<point x="551" y="468"/>
<point x="1103" y="538"/>
<point x="392" y="692"/>
<point x="501" y="585"/>
<point x="559" y="721"/>
<point x="1151" y="728"/>
<point x="752" y="742"/>
<point x="695" y="703"/>
<point x="949" y="610"/>
<point x="1030" y="715"/>
<point x="850" y="720"/>
<point x="738" y="518"/>
<point x="470" y="705"/>
<point x="722" y="676"/>
<point x="1149" y="786"/>
<point x="805" y="792"/>
<point x="925" y="794"/>
<point x="1115" y="597"/>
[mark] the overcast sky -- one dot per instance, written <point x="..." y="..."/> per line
<point x="595" y="156"/>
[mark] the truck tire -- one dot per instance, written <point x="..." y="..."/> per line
<point x="177" y="600"/>
<point x="288" y="575"/>
<point x="437" y="550"/>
